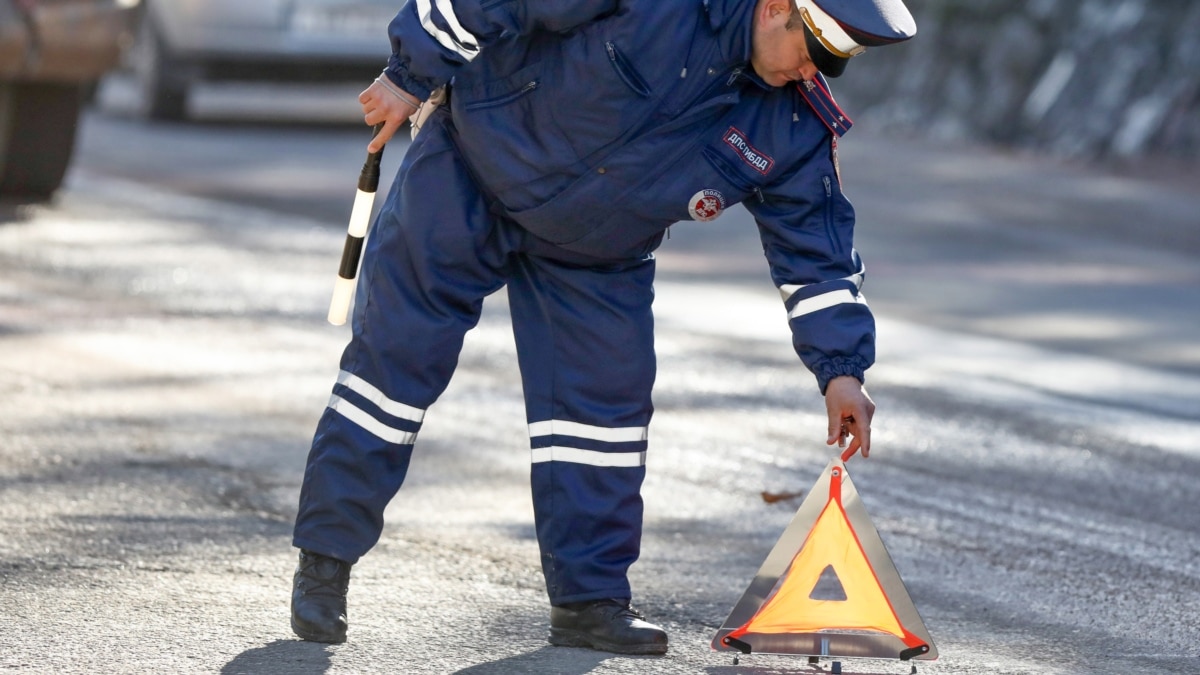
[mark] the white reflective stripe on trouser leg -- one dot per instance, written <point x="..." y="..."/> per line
<point x="590" y="457"/>
<point x="363" y="419"/>
<point x="824" y="301"/>
<point x="606" y="434"/>
<point x="463" y="43"/>
<point x="372" y="393"/>
<point x="788" y="290"/>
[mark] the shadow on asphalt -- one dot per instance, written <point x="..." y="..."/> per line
<point x="797" y="665"/>
<point x="295" y="657"/>
<point x="556" y="660"/>
<point x="16" y="210"/>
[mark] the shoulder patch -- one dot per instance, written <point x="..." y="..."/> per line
<point x="706" y="205"/>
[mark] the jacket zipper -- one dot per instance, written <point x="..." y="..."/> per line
<point x="830" y="231"/>
<point x="506" y="98"/>
<point x="625" y="71"/>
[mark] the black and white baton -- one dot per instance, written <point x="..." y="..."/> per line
<point x="356" y="232"/>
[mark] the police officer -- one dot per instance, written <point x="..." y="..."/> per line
<point x="574" y="134"/>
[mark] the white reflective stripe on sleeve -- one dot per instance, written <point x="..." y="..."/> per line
<point x="461" y="34"/>
<point x="370" y="424"/>
<point x="425" y="11"/>
<point x="564" y="428"/>
<point x="589" y="457"/>
<point x="823" y="301"/>
<point x="368" y="391"/>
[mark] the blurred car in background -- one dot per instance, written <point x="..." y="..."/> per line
<point x="52" y="53"/>
<point x="181" y="42"/>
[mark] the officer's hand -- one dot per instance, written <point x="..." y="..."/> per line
<point x="385" y="103"/>
<point x="850" y="411"/>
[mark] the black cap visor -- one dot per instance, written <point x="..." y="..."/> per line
<point x="822" y="58"/>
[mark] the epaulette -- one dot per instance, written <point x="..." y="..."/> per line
<point x="816" y="93"/>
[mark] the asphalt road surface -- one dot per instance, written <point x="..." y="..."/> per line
<point x="164" y="357"/>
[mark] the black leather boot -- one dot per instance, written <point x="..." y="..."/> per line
<point x="607" y="625"/>
<point x="319" y="598"/>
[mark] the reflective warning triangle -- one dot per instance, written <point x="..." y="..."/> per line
<point x="828" y="587"/>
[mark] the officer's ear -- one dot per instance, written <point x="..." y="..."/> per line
<point x="773" y="12"/>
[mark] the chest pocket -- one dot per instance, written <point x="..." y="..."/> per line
<point x="738" y="178"/>
<point x="671" y="192"/>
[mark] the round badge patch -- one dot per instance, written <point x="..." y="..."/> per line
<point x="706" y="205"/>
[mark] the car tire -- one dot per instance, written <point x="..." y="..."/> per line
<point x="162" y="92"/>
<point x="37" y="137"/>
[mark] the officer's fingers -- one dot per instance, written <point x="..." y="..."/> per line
<point x="862" y="437"/>
<point x="835" y="429"/>
<point x="379" y="141"/>
<point x="862" y="425"/>
<point x="373" y="104"/>
<point x="371" y="92"/>
<point x="855" y="446"/>
<point x="385" y="134"/>
<point x="392" y="126"/>
<point x="380" y="114"/>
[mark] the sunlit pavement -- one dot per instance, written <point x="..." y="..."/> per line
<point x="163" y="358"/>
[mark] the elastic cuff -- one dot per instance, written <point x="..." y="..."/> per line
<point x="401" y="78"/>
<point x="837" y="366"/>
<point x="396" y="91"/>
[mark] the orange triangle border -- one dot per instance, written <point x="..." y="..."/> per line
<point x="878" y="619"/>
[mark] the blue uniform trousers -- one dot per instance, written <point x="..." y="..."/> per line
<point x="584" y="336"/>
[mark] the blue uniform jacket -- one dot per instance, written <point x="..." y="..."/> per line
<point x="596" y="124"/>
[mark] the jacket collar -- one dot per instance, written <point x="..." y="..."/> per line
<point x="731" y="21"/>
